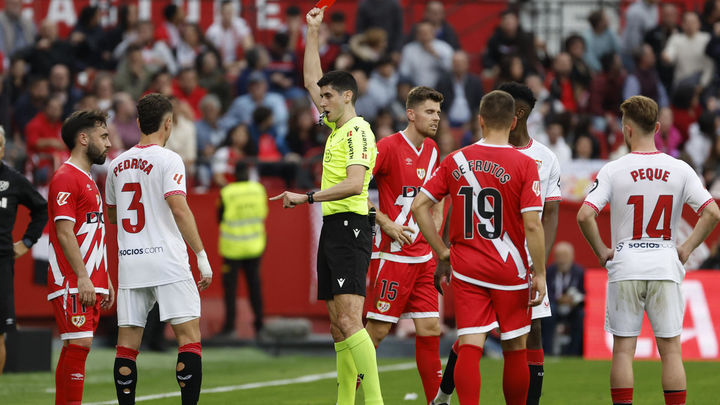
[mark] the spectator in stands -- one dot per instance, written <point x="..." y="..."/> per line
<point x="711" y="169"/>
<point x="45" y="147"/>
<point x="183" y="139"/>
<point x="186" y="89"/>
<point x="606" y="90"/>
<point x="385" y="14"/>
<point x="702" y="136"/>
<point x="160" y="82"/>
<point x="103" y="90"/>
<point x="209" y="136"/>
<point x="304" y="136"/>
<point x="16" y="31"/>
<point x="262" y="132"/>
<point x="124" y="120"/>
<point x="398" y="107"/>
<point x="283" y="75"/>
<point x="556" y="140"/>
<point x="435" y="15"/>
<point x="87" y="37"/>
<point x="366" y="105"/>
<point x="60" y="83"/>
<point x="368" y="48"/>
<point x="512" y="69"/>
<point x="668" y="139"/>
<point x="14" y="83"/>
<point x="329" y="52"/>
<point x="293" y="27"/>
<point x="559" y="82"/>
<point x="710" y="15"/>
<point x="510" y="39"/>
<point x="156" y="54"/>
<point x="382" y="86"/>
<point x="645" y="81"/>
<point x="169" y="30"/>
<point x="133" y="75"/>
<point x="241" y="110"/>
<point x="585" y="147"/>
<point x="462" y="90"/>
<point x="237" y="146"/>
<point x="192" y="43"/>
<point x="686" y="51"/>
<point x="566" y="291"/>
<point x="426" y="58"/>
<point x="581" y="75"/>
<point x="658" y="37"/>
<point x="48" y="50"/>
<point x="600" y="40"/>
<point x="544" y="106"/>
<point x="338" y="30"/>
<point x="258" y="60"/>
<point x="212" y="77"/>
<point x="640" y="17"/>
<point x="229" y="33"/>
<point x="31" y="102"/>
<point x="383" y="125"/>
<point x="119" y="34"/>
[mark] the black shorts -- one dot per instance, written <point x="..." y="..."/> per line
<point x="343" y="255"/>
<point x="7" y="297"/>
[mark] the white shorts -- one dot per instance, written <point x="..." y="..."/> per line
<point x="628" y="300"/>
<point x="542" y="310"/>
<point x="179" y="302"/>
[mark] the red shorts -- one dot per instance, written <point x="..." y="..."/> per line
<point x="401" y="290"/>
<point x="74" y="320"/>
<point x="481" y="309"/>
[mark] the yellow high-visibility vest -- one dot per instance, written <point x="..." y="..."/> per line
<point x="242" y="229"/>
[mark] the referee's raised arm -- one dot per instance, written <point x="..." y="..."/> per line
<point x="312" y="70"/>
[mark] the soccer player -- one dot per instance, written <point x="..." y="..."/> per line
<point x="495" y="190"/>
<point x="549" y="172"/>
<point x="402" y="259"/>
<point x="647" y="190"/>
<point x="78" y="281"/>
<point x="346" y="238"/>
<point x="145" y="193"/>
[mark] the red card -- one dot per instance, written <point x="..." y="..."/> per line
<point x="324" y="3"/>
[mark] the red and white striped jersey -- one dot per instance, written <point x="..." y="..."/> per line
<point x="74" y="196"/>
<point x="400" y="170"/>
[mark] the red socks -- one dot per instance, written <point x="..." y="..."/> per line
<point x="675" y="397"/>
<point x="59" y="381"/>
<point x="427" y="356"/>
<point x="191" y="348"/>
<point x="621" y="396"/>
<point x="126" y="353"/>
<point x="536" y="357"/>
<point x="516" y="377"/>
<point x="74" y="373"/>
<point x="467" y="374"/>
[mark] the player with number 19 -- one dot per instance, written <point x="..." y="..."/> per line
<point x="495" y="192"/>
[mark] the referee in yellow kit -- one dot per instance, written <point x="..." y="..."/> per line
<point x="346" y="238"/>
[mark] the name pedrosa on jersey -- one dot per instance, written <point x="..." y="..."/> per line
<point x="486" y="166"/>
<point x="138" y="164"/>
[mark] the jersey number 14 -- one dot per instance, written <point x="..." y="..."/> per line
<point x="663" y="208"/>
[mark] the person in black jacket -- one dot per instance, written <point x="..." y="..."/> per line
<point x="462" y="91"/>
<point x="15" y="190"/>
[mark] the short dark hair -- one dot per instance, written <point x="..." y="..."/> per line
<point x="340" y="81"/>
<point x="519" y="92"/>
<point x="337" y="16"/>
<point x="80" y="121"/>
<point x="421" y="93"/>
<point x="641" y="110"/>
<point x="595" y="17"/>
<point x="151" y="110"/>
<point x="292" y="11"/>
<point x="497" y="110"/>
<point x="170" y="11"/>
<point x="241" y="171"/>
<point x="261" y="114"/>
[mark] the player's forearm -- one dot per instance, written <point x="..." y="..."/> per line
<point x="312" y="69"/>
<point x="588" y="227"/>
<point x="550" y="223"/>
<point x="380" y="217"/>
<point x="535" y="237"/>
<point x="437" y="214"/>
<point x="707" y="222"/>
<point x="421" y="212"/>
<point x="188" y="228"/>
<point x="71" y="250"/>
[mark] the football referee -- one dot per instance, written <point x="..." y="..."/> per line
<point x="15" y="190"/>
<point x="345" y="241"/>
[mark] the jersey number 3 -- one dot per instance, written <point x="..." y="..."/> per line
<point x="663" y="207"/>
<point x="135" y="205"/>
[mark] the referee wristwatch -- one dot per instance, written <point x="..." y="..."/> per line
<point x="310" y="195"/>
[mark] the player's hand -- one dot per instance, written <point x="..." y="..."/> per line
<point x="86" y="291"/>
<point x="19" y="249"/>
<point x="290" y="199"/>
<point x="397" y="232"/>
<point x="314" y="17"/>
<point x="204" y="283"/>
<point x="537" y="291"/>
<point x="443" y="272"/>
<point x="606" y="256"/>
<point x="109" y="299"/>
<point x="683" y="253"/>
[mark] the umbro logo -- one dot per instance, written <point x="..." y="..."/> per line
<point x="128" y="382"/>
<point x="184" y="378"/>
<point x="356" y="232"/>
<point x="77" y="377"/>
<point x="341" y="281"/>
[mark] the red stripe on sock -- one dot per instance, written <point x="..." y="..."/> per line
<point x="456" y="347"/>
<point x="536" y="357"/>
<point x="123" y="352"/>
<point x="621" y="395"/>
<point x="192" y="348"/>
<point x="516" y="377"/>
<point x="467" y="374"/>
<point x="675" y="398"/>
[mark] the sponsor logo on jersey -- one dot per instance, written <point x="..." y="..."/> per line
<point x="177" y="178"/>
<point x="4" y="185"/>
<point x="62" y="198"/>
<point x="94" y="217"/>
<point x="650" y="245"/>
<point x="536" y="187"/>
<point x="78" y="320"/>
<point x="140" y="251"/>
<point x="421" y="173"/>
<point x="328" y="155"/>
<point x="619" y="247"/>
<point x="383" y="306"/>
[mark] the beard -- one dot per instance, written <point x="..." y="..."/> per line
<point x="96" y="155"/>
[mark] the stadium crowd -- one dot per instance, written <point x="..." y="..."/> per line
<point x="236" y="99"/>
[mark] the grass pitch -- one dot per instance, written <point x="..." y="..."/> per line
<point x="250" y="376"/>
